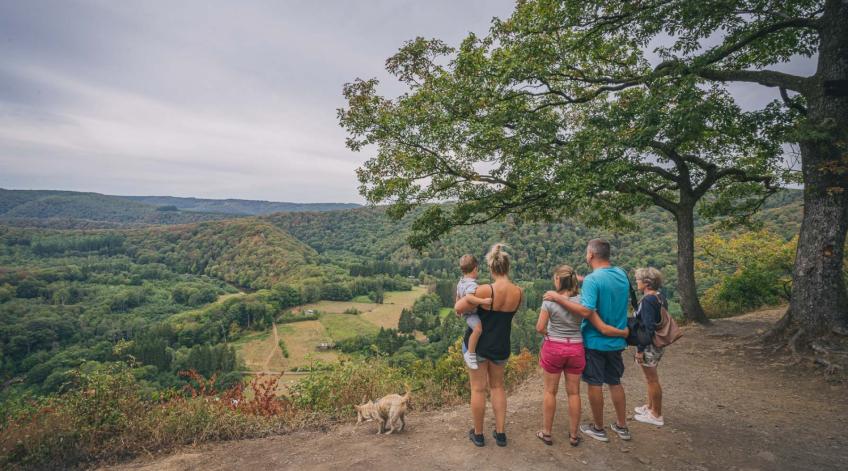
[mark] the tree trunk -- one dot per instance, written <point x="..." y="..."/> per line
<point x="819" y="300"/>
<point x="686" y="286"/>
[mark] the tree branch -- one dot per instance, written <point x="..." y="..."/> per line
<point x="721" y="52"/>
<point x="791" y="104"/>
<point x="769" y="78"/>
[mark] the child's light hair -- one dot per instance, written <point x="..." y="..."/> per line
<point x="467" y="263"/>
<point x="498" y="260"/>
<point x="650" y="276"/>
<point x="567" y="279"/>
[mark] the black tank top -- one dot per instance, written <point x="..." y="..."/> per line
<point x="497" y="325"/>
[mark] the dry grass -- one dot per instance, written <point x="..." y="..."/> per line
<point x="387" y="314"/>
<point x="301" y="339"/>
<point x="344" y="326"/>
<point x="254" y="349"/>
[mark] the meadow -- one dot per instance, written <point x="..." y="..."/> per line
<point x="261" y="351"/>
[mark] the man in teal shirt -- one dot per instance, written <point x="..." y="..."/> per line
<point x="605" y="291"/>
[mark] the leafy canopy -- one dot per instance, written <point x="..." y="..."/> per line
<point x="558" y="111"/>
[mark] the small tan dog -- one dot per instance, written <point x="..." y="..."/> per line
<point x="389" y="409"/>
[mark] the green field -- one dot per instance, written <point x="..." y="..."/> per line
<point x="261" y="352"/>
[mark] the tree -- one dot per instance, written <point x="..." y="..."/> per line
<point x="406" y="323"/>
<point x="677" y="146"/>
<point x="471" y="114"/>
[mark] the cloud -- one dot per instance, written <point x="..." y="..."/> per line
<point x="197" y="98"/>
<point x="207" y="98"/>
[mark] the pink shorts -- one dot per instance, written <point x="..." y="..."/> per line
<point x="557" y="357"/>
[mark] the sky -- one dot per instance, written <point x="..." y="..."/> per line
<point x="210" y="98"/>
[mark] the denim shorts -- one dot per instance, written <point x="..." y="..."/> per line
<point x="481" y="359"/>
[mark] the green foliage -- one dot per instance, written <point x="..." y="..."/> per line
<point x="746" y="271"/>
<point x="406" y="322"/>
<point x="108" y="415"/>
<point x="334" y="388"/>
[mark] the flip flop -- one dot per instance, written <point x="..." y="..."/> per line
<point x="546" y="438"/>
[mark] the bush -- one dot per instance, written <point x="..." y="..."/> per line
<point x="745" y="272"/>
<point x="105" y="418"/>
<point x="333" y="389"/>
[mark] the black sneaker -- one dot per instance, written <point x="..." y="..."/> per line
<point x="590" y="430"/>
<point x="477" y="440"/>
<point x="500" y="438"/>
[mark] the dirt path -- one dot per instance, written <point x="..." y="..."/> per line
<point x="727" y="407"/>
<point x="266" y="365"/>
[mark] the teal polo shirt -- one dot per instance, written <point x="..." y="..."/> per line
<point x="605" y="290"/>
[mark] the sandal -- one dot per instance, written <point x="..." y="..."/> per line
<point x="544" y="437"/>
<point x="574" y="440"/>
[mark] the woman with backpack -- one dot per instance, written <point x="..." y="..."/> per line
<point x="648" y="355"/>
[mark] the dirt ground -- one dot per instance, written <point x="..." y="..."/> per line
<point x="728" y="406"/>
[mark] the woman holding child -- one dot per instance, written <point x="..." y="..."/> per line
<point x="562" y="352"/>
<point x="493" y="346"/>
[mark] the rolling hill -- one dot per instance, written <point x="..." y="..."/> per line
<point x="236" y="206"/>
<point x="70" y="209"/>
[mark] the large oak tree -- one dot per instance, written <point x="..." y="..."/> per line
<point x="474" y="123"/>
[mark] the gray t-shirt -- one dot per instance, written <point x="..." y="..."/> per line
<point x="561" y="323"/>
<point x="465" y="286"/>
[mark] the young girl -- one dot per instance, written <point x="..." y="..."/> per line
<point x="649" y="281"/>
<point x="562" y="352"/>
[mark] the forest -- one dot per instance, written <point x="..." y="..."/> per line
<point x="169" y="298"/>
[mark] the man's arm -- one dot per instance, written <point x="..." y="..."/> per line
<point x="568" y="304"/>
<point x="586" y="313"/>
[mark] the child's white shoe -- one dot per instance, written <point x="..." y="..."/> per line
<point x="650" y="418"/>
<point x="470" y="360"/>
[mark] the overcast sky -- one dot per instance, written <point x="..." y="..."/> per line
<point x="216" y="99"/>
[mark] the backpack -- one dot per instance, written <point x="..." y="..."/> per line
<point x="667" y="331"/>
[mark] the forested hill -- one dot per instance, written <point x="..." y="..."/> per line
<point x="237" y="206"/>
<point x="245" y="252"/>
<point x="364" y="235"/>
<point x="77" y="210"/>
<point x="71" y="209"/>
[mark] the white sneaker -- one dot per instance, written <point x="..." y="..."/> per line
<point x="642" y="410"/>
<point x="649" y="418"/>
<point x="470" y="360"/>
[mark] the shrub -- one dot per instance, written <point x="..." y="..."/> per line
<point x="105" y="418"/>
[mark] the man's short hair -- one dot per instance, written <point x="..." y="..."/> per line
<point x="467" y="263"/>
<point x="599" y="248"/>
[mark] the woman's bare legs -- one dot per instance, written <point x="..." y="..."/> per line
<point x="572" y="388"/>
<point x="549" y="400"/>
<point x="496" y="389"/>
<point x="654" y="390"/>
<point x="479" y="387"/>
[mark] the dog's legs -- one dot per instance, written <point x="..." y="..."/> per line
<point x="402" y="423"/>
<point x="380" y="425"/>
<point x="391" y="423"/>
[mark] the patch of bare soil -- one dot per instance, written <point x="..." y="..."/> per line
<point x="728" y="405"/>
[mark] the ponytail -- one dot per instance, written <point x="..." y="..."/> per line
<point x="567" y="279"/>
<point x="498" y="259"/>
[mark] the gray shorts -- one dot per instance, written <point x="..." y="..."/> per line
<point x="472" y="319"/>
